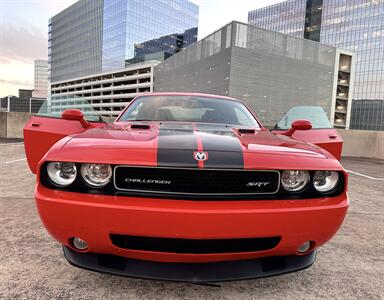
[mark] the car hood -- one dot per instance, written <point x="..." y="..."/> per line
<point x="174" y="144"/>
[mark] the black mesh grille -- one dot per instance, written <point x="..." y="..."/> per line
<point x="172" y="245"/>
<point x="196" y="181"/>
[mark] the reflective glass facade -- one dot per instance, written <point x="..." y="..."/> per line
<point x="114" y="34"/>
<point x="286" y="17"/>
<point x="163" y="47"/>
<point x="40" y="78"/>
<point x="354" y="25"/>
<point x="129" y="24"/>
<point x="358" y="26"/>
<point x="313" y="17"/>
<point x="367" y="114"/>
<point x="94" y="36"/>
<point x="74" y="40"/>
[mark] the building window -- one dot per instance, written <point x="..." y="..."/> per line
<point x="229" y="35"/>
<point x="217" y="42"/>
<point x="241" y="35"/>
<point x="313" y="14"/>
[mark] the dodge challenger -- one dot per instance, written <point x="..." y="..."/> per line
<point x="186" y="187"/>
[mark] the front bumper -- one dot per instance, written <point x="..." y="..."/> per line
<point x="189" y="272"/>
<point x="94" y="217"/>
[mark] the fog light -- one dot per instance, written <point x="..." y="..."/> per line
<point x="304" y="247"/>
<point x="80" y="244"/>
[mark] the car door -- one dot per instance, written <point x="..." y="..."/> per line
<point x="322" y="134"/>
<point x="46" y="128"/>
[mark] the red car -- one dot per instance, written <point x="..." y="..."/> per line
<point x="186" y="187"/>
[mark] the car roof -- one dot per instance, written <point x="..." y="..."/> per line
<point x="186" y="94"/>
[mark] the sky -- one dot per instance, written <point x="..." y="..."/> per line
<point x="24" y="31"/>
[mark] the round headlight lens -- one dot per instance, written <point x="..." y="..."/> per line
<point x="294" y="180"/>
<point x="96" y="175"/>
<point x="325" y="181"/>
<point x="62" y="173"/>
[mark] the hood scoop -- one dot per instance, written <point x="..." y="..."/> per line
<point x="140" y="126"/>
<point x="245" y="131"/>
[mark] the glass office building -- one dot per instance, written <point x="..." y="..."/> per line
<point x="74" y="40"/>
<point x="286" y="17"/>
<point x="132" y="22"/>
<point x="40" y="78"/>
<point x="354" y="25"/>
<point x="94" y="36"/>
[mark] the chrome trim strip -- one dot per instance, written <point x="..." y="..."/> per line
<point x="194" y="169"/>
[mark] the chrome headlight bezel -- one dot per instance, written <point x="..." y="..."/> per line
<point x="302" y="178"/>
<point x="330" y="180"/>
<point x="91" y="179"/>
<point x="61" y="174"/>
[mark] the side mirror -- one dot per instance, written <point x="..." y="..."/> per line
<point x="299" y="125"/>
<point x="75" y="114"/>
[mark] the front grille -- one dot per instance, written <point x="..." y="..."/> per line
<point x="188" y="246"/>
<point x="203" y="182"/>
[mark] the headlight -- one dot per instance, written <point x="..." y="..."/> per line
<point x="62" y="173"/>
<point x="325" y="181"/>
<point x="294" y="180"/>
<point x="96" y="175"/>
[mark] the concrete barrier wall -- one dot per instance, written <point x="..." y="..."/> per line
<point x="3" y="124"/>
<point x="12" y="124"/>
<point x="357" y="143"/>
<point x="363" y="143"/>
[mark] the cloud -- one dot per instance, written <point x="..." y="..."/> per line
<point x="16" y="82"/>
<point x="15" y="74"/>
<point x="214" y="14"/>
<point x="4" y="60"/>
<point x="21" y="43"/>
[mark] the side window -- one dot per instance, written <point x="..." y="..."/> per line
<point x="315" y="114"/>
<point x="55" y="109"/>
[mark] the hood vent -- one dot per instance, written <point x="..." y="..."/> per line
<point x="140" y="126"/>
<point x="246" y="131"/>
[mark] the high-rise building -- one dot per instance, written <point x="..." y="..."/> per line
<point x="75" y="40"/>
<point x="270" y="71"/>
<point x="23" y="103"/>
<point x="40" y="79"/>
<point x="96" y="36"/>
<point x="354" y="25"/>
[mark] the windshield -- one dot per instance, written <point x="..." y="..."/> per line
<point x="315" y="114"/>
<point x="55" y="108"/>
<point x="189" y="109"/>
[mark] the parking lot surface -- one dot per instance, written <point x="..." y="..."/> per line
<point x="350" y="266"/>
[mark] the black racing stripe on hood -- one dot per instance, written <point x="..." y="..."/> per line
<point x="224" y="149"/>
<point x="176" y="144"/>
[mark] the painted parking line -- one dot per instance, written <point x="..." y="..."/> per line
<point x="366" y="176"/>
<point x="4" y="144"/>
<point x="15" y="160"/>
